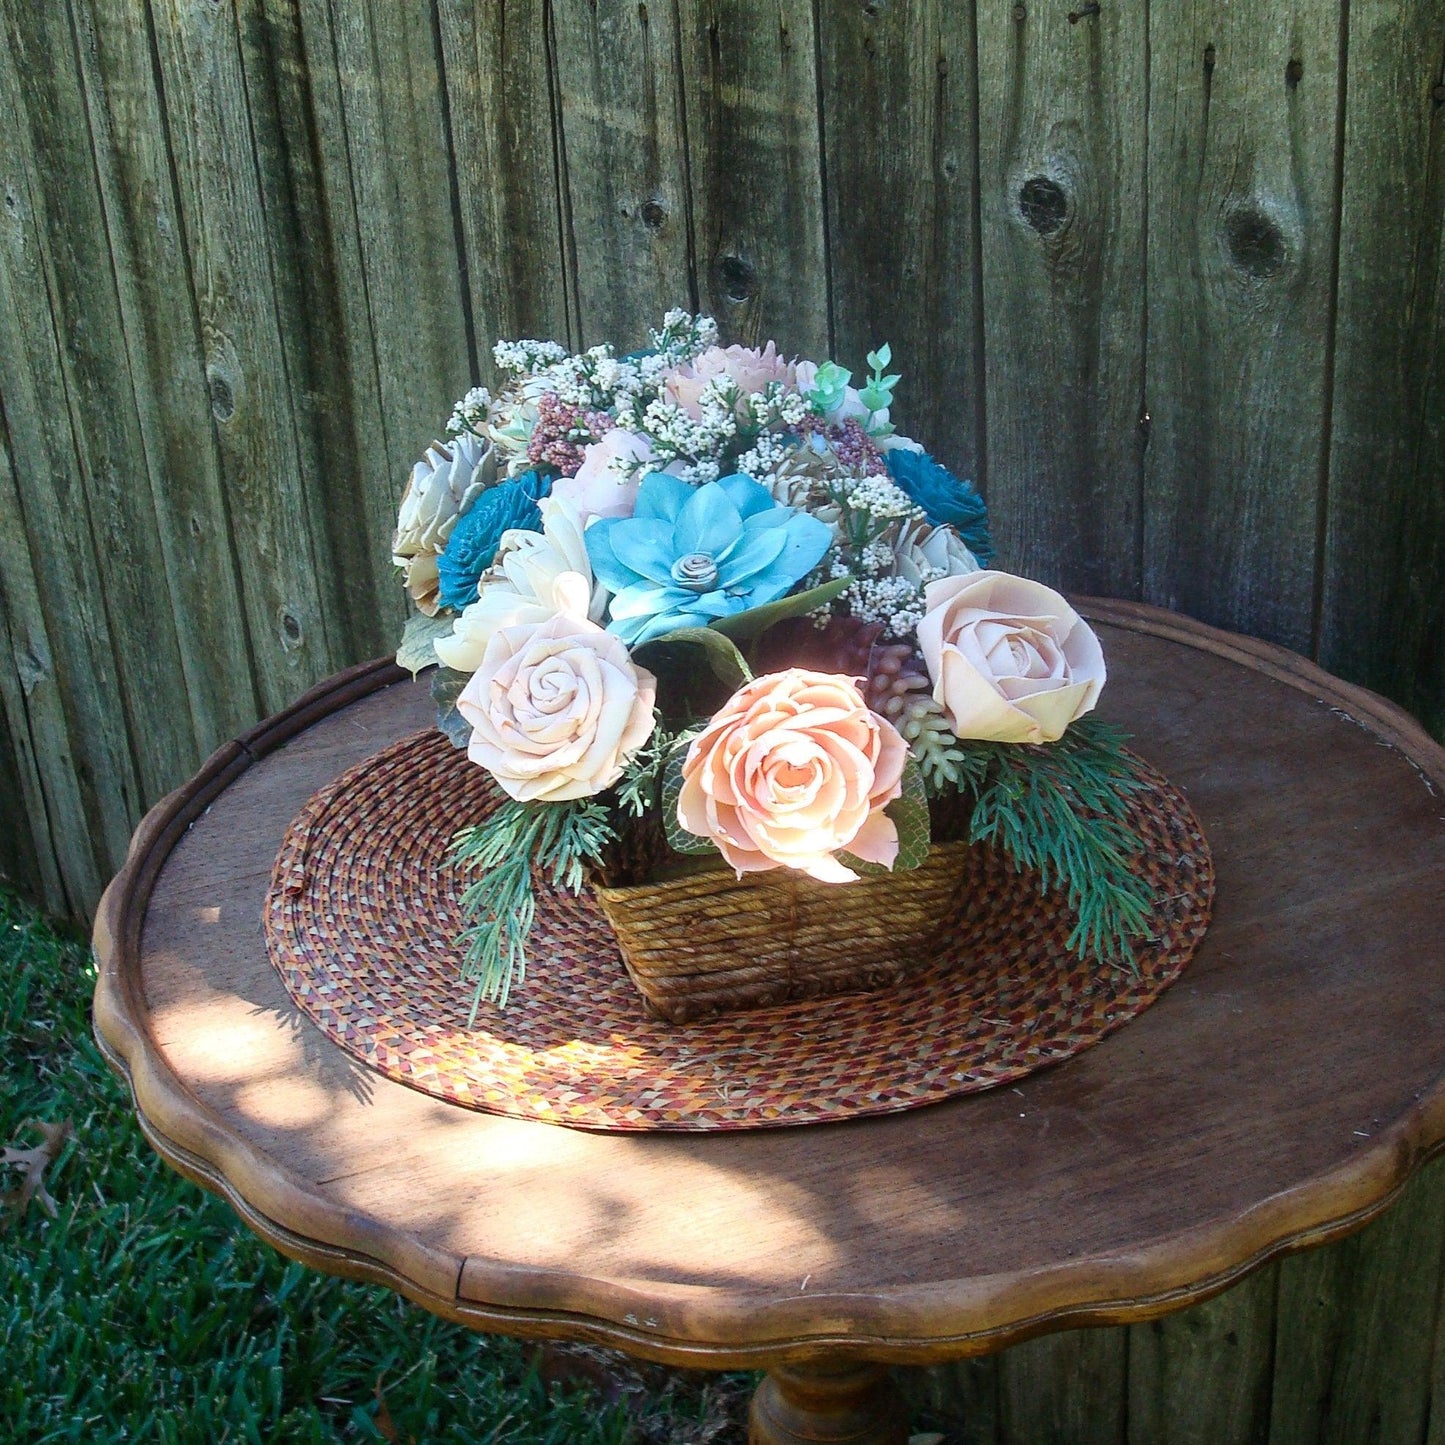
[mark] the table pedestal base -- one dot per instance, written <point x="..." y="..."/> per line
<point x="827" y="1404"/>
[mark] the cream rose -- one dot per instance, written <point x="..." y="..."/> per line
<point x="792" y="770"/>
<point x="443" y="485"/>
<point x="557" y="709"/>
<point x="535" y="576"/>
<point x="1011" y="661"/>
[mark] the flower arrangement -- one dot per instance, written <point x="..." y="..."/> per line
<point x="712" y="592"/>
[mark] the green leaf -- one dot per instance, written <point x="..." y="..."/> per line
<point x="421" y="632"/>
<point x="744" y="626"/>
<point x="678" y="838"/>
<point x="446" y="688"/>
<point x="728" y="664"/>
<point x="909" y="812"/>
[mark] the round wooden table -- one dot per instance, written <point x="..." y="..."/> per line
<point x="1277" y="1096"/>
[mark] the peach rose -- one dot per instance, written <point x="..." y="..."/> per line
<point x="750" y="368"/>
<point x="1011" y="661"/>
<point x="606" y="483"/>
<point x="557" y="708"/>
<point x="792" y="769"/>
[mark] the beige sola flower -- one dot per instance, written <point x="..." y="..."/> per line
<point x="924" y="553"/>
<point x="443" y="485"/>
<point x="794" y="769"/>
<point x="1011" y="661"/>
<point x="557" y="709"/>
<point x="536" y="575"/>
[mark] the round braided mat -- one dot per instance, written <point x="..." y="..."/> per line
<point x="362" y="913"/>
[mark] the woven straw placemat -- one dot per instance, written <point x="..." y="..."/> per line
<point x="362" y="913"/>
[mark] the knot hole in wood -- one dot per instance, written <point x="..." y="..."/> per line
<point x="1043" y="204"/>
<point x="1254" y="242"/>
<point x="735" y="278"/>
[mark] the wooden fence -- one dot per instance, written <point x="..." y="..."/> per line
<point x="1165" y="275"/>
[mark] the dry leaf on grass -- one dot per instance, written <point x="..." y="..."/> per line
<point x="33" y="1163"/>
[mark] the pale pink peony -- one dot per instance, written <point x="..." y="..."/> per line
<point x="606" y="483"/>
<point x="750" y="368"/>
<point x="1011" y="661"/>
<point x="792" y="770"/>
<point x="557" y="709"/>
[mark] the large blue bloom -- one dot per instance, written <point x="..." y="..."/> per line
<point x="689" y="555"/>
<point x="946" y="499"/>
<point x="473" y="544"/>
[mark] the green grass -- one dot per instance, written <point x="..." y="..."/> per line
<point x="147" y="1312"/>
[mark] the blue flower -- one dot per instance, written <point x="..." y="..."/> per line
<point x="689" y="555"/>
<point x="473" y="544"/>
<point x="945" y="498"/>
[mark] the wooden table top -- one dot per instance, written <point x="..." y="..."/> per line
<point x="1276" y="1096"/>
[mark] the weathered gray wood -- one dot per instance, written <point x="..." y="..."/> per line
<point x="505" y="144"/>
<point x="900" y="135"/>
<point x="1062" y="171"/>
<point x="177" y="454"/>
<point x="1355" y="1329"/>
<point x="958" y="1400"/>
<point x="1067" y="1387"/>
<point x="76" y="317"/>
<point x="1241" y="258"/>
<point x="751" y="87"/>
<point x="1202" y="1377"/>
<point x="1383" y="609"/>
<point x="67" y="642"/>
<point x="246" y="311"/>
<point x="624" y="164"/>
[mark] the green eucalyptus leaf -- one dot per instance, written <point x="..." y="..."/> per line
<point x="744" y="626"/>
<point x="417" y="648"/>
<point x="678" y="838"/>
<point x="728" y="664"/>
<point x="446" y="688"/>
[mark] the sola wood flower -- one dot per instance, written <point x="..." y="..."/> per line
<point x="557" y="709"/>
<point x="794" y="769"/>
<point x="750" y="368"/>
<point x="443" y="485"/>
<point x="1011" y="661"/>
<point x="536" y="575"/>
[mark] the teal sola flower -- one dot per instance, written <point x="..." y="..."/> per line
<point x="946" y="499"/>
<point x="472" y="546"/>
<point x="689" y="555"/>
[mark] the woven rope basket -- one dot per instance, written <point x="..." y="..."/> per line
<point x="710" y="942"/>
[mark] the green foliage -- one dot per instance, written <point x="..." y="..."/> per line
<point x="147" y="1312"/>
<point x="744" y="626"/>
<point x="678" y="838"/>
<point x="418" y="639"/>
<point x="727" y="663"/>
<point x="506" y="851"/>
<point x="830" y="385"/>
<point x="877" y="395"/>
<point x="909" y="812"/>
<point x="1061" y="810"/>
<point x="446" y="688"/>
<point x="640" y="787"/>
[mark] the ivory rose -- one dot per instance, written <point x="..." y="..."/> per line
<point x="1011" y="661"/>
<point x="792" y="770"/>
<point x="750" y="368"/>
<point x="557" y="709"/>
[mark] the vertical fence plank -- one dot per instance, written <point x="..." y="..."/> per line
<point x="1203" y="1377"/>
<point x="1383" y="607"/>
<point x="69" y="652"/>
<point x="122" y="568"/>
<point x="1355" y="1331"/>
<point x="958" y="1400"/>
<point x="374" y="160"/>
<point x="900" y="141"/>
<point x="505" y="142"/>
<point x="1062" y="177"/>
<point x="751" y="86"/>
<point x="177" y="468"/>
<point x="269" y="461"/>
<point x="1242" y="170"/>
<point x="40" y="857"/>
<point x="1070" y="1386"/>
<point x="625" y="164"/>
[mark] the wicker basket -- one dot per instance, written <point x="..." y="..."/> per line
<point x="710" y="943"/>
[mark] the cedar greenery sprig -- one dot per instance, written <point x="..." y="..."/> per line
<point x="1061" y="809"/>
<point x="508" y="850"/>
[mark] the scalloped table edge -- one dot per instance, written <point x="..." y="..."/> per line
<point x="731" y="1329"/>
